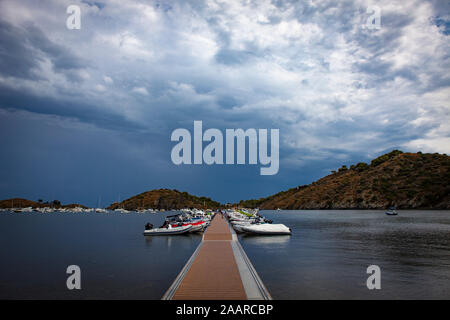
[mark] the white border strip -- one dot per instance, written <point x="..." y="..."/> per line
<point x="253" y="285"/>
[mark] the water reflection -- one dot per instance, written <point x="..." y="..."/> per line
<point x="148" y="241"/>
<point x="279" y="240"/>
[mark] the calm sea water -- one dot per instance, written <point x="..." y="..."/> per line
<point x="325" y="258"/>
<point x="116" y="260"/>
<point x="329" y="251"/>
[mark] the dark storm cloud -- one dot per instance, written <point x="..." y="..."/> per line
<point x="339" y="93"/>
<point x="23" y="49"/>
<point x="82" y="110"/>
<point x="16" y="58"/>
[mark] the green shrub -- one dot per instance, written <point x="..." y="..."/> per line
<point x="385" y="157"/>
<point x="361" y="166"/>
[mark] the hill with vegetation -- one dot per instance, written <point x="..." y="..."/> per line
<point x="25" y="203"/>
<point x="165" y="199"/>
<point x="406" y="180"/>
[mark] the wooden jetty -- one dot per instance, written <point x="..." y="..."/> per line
<point x="219" y="269"/>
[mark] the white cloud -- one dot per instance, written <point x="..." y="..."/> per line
<point x="108" y="80"/>
<point x="439" y="144"/>
<point x="140" y="90"/>
<point x="100" y="88"/>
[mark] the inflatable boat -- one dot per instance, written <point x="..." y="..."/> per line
<point x="196" y="225"/>
<point x="169" y="230"/>
<point x="266" y="228"/>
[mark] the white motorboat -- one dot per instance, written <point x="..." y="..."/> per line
<point x="238" y="227"/>
<point x="169" y="230"/>
<point x="391" y="211"/>
<point x="120" y="210"/>
<point x="27" y="209"/>
<point x="266" y="228"/>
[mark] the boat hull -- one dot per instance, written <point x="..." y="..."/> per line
<point x="267" y="229"/>
<point x="167" y="232"/>
<point x="238" y="228"/>
<point x="196" y="226"/>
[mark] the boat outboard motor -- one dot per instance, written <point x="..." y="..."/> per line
<point x="148" y="226"/>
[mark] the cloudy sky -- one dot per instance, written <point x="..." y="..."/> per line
<point x="86" y="115"/>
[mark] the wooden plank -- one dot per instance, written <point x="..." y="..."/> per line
<point x="214" y="274"/>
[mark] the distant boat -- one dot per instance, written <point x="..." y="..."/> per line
<point x="120" y="210"/>
<point x="391" y="211"/>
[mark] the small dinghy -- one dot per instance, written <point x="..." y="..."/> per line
<point x="267" y="229"/>
<point x="391" y="211"/>
<point x="167" y="230"/>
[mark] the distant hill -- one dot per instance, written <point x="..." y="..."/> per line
<point x="19" y="203"/>
<point x="165" y="199"/>
<point x="24" y="203"/>
<point x="407" y="180"/>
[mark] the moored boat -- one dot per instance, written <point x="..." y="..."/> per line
<point x="266" y="229"/>
<point x="238" y="227"/>
<point x="169" y="230"/>
<point x="196" y="225"/>
<point x="391" y="212"/>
